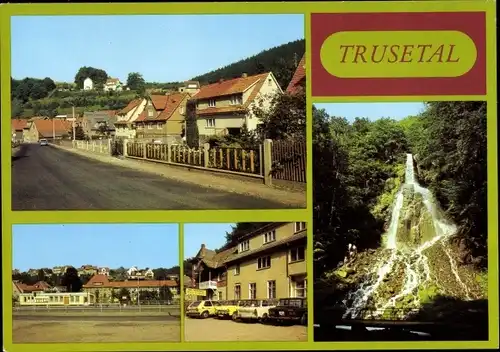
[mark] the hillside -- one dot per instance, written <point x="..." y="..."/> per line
<point x="281" y="60"/>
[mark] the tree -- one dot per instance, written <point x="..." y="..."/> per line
<point x="71" y="280"/>
<point x="41" y="275"/>
<point x="283" y="116"/>
<point x="165" y="294"/>
<point x="97" y="76"/>
<point x="124" y="295"/>
<point x="17" y="108"/>
<point x="79" y="133"/>
<point x="136" y="82"/>
<point x="192" y="133"/>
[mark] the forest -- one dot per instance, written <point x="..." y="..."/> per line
<point x="359" y="166"/>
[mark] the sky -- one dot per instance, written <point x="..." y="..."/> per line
<point x="212" y="235"/>
<point x="372" y="111"/>
<point x="163" y="48"/>
<point x="109" y="245"/>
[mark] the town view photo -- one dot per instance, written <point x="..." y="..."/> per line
<point x="400" y="223"/>
<point x="248" y="282"/>
<point x="116" y="127"/>
<point x="96" y="283"/>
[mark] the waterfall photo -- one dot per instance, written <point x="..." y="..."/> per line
<point x="400" y="221"/>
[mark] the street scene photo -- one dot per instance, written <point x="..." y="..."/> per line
<point x="247" y="282"/>
<point x="400" y="222"/>
<point x="96" y="283"/>
<point x="127" y="123"/>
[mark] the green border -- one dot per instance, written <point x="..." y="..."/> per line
<point x="305" y="8"/>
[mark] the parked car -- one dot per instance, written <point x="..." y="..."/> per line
<point x="256" y="309"/>
<point x="44" y="142"/>
<point x="290" y="310"/>
<point x="228" y="309"/>
<point x="202" y="309"/>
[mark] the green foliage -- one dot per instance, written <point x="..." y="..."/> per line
<point x="79" y="133"/>
<point x="165" y="293"/>
<point x="192" y="133"/>
<point x="136" y="82"/>
<point x="281" y="60"/>
<point x="428" y="293"/>
<point x="482" y="279"/>
<point x="71" y="280"/>
<point x="284" y="117"/>
<point x="97" y="76"/>
<point x="31" y="88"/>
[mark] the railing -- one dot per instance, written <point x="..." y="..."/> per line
<point x="99" y="308"/>
<point x="235" y="159"/>
<point x="204" y="285"/>
<point x="102" y="146"/>
<point x="289" y="160"/>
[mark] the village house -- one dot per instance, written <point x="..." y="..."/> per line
<point x="88" y="84"/>
<point x="163" y="117"/>
<point x="104" y="271"/>
<point x="113" y="84"/>
<point x="224" y="107"/>
<point x="136" y="274"/>
<point x="266" y="264"/>
<point x="19" y="126"/>
<point x="190" y="87"/>
<point x="87" y="270"/>
<point x="20" y="288"/>
<point x="107" y="291"/>
<point x="59" y="270"/>
<point x="298" y="82"/>
<point x="124" y="124"/>
<point x="98" y="124"/>
<point x="47" y="129"/>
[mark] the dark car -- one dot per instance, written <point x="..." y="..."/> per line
<point x="289" y="310"/>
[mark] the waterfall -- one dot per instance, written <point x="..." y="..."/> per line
<point x="414" y="261"/>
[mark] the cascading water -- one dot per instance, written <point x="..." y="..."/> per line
<point x="412" y="259"/>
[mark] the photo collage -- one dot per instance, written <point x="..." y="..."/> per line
<point x="313" y="174"/>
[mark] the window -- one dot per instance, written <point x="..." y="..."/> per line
<point x="236" y="100"/>
<point x="300" y="288"/>
<point x="237" y="292"/>
<point x="211" y="103"/>
<point x="271" y="289"/>
<point x="208" y="304"/>
<point x="237" y="269"/>
<point x="264" y="262"/>
<point x="150" y="112"/>
<point x="150" y="126"/>
<point x="252" y="290"/>
<point x="210" y="122"/>
<point x="299" y="226"/>
<point x="269" y="81"/>
<point x="181" y="110"/>
<point x="297" y="254"/>
<point x="159" y="126"/>
<point x="270" y="236"/>
<point x="244" y="246"/>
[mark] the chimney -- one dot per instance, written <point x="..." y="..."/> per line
<point x="244" y="75"/>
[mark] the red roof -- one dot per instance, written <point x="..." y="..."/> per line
<point x="39" y="286"/>
<point x="229" y="87"/>
<point x="103" y="281"/>
<point x="132" y="105"/>
<point x="46" y="128"/>
<point x="166" y="104"/>
<point x="299" y="76"/>
<point x="19" y="124"/>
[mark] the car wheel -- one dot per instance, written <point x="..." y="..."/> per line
<point x="234" y="316"/>
<point x="264" y="318"/>
<point x="303" y="319"/>
<point x="205" y="315"/>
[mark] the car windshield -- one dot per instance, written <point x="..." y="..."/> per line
<point x="250" y="303"/>
<point x="291" y="302"/>
<point x="194" y="304"/>
<point x="43" y="140"/>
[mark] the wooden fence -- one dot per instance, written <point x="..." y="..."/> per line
<point x="289" y="160"/>
<point x="235" y="159"/>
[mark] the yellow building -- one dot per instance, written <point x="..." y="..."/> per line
<point x="267" y="263"/>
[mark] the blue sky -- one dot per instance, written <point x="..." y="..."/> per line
<point x="373" y="111"/>
<point x="164" y="48"/>
<point x="212" y="235"/>
<point x="111" y="245"/>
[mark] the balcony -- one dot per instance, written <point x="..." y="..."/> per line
<point x="207" y="285"/>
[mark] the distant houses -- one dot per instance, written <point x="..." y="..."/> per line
<point x="88" y="84"/>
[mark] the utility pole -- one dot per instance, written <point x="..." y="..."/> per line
<point x="53" y="129"/>
<point x="74" y="124"/>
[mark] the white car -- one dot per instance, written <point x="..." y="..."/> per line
<point x="256" y="309"/>
<point x="44" y="142"/>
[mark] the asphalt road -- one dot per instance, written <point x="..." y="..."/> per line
<point x="87" y="317"/>
<point x="47" y="178"/>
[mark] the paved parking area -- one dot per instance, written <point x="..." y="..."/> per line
<point x="213" y="330"/>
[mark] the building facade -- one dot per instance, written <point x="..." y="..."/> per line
<point x="269" y="263"/>
<point x="88" y="84"/>
<point x="124" y="123"/>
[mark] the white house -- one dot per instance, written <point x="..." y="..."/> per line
<point x="113" y="84"/>
<point x="124" y="126"/>
<point x="88" y="84"/>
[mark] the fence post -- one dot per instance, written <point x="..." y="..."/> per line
<point x="87" y="145"/>
<point x="73" y="142"/>
<point x="169" y="149"/>
<point x="100" y="146"/>
<point x="125" y="151"/>
<point x="109" y="147"/>
<point x="145" y="150"/>
<point x="206" y="148"/>
<point x="267" y="161"/>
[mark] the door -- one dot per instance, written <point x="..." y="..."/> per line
<point x="66" y="300"/>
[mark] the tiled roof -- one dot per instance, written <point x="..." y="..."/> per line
<point x="46" y="128"/>
<point x="300" y="74"/>
<point x="39" y="286"/>
<point x="99" y="280"/>
<point x="130" y="106"/>
<point x="213" y="259"/>
<point x="165" y="104"/>
<point x="19" y="124"/>
<point x="229" y="87"/>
